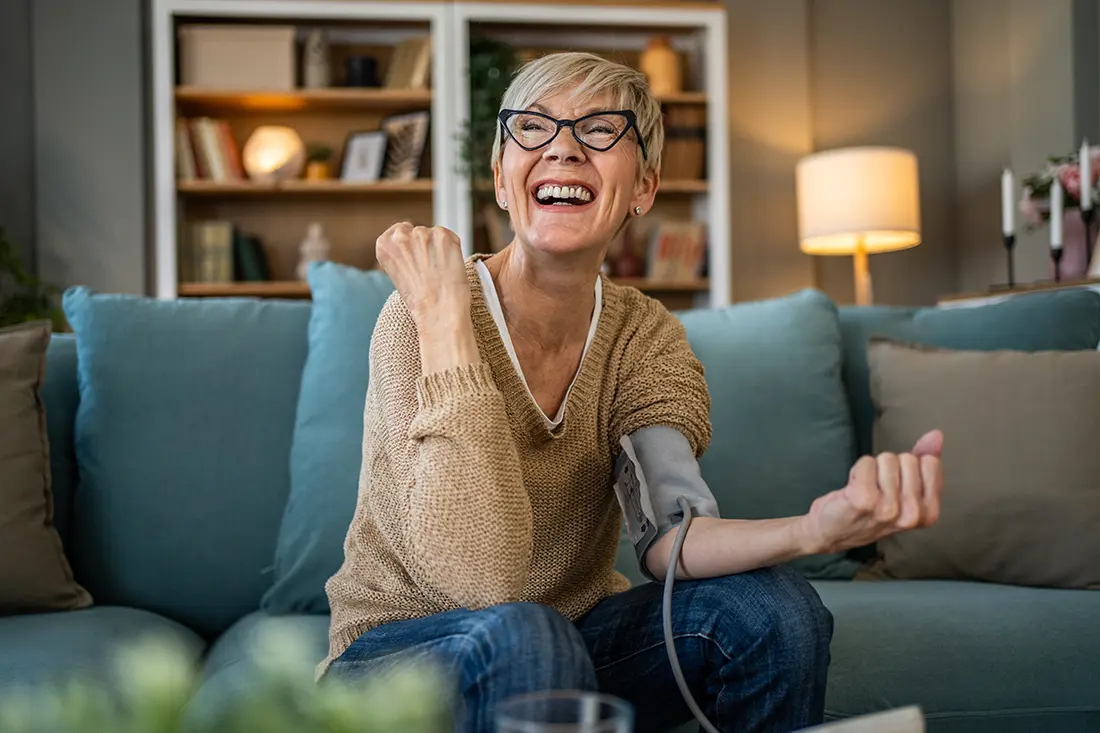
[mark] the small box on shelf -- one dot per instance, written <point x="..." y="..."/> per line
<point x="224" y="56"/>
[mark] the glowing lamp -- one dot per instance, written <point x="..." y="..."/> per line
<point x="273" y="153"/>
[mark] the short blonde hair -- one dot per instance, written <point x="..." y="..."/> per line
<point x="591" y="76"/>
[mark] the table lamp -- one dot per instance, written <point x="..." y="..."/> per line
<point x="858" y="201"/>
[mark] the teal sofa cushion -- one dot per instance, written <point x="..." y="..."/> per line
<point x="183" y="435"/>
<point x="326" y="454"/>
<point x="782" y="430"/>
<point x="51" y="648"/>
<point x="230" y="668"/>
<point x="61" y="396"/>
<point x="1064" y="320"/>
<point x="977" y="657"/>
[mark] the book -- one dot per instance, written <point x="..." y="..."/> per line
<point x="676" y="251"/>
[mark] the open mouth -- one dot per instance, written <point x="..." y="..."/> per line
<point x="552" y="194"/>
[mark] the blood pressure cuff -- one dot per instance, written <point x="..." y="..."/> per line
<point x="655" y="467"/>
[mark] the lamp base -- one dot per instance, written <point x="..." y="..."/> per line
<point x="862" y="272"/>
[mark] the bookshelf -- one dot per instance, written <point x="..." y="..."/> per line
<point x="354" y="213"/>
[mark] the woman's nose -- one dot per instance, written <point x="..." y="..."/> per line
<point x="564" y="148"/>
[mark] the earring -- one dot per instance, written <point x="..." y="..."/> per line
<point x="637" y="211"/>
<point x="504" y="204"/>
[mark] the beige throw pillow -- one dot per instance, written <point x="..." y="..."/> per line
<point x="34" y="573"/>
<point x="1021" y="462"/>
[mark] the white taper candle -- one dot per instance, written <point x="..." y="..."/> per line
<point x="1056" y="208"/>
<point x="1008" y="208"/>
<point x="1085" y="161"/>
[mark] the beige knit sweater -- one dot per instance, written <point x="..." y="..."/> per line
<point x="467" y="499"/>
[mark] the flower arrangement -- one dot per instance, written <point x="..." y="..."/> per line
<point x="156" y="678"/>
<point x="1034" y="206"/>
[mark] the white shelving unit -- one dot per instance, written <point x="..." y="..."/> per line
<point x="450" y="24"/>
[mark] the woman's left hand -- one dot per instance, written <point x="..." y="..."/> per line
<point x="885" y="494"/>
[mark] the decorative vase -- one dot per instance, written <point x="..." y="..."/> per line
<point x="315" y="66"/>
<point x="661" y="66"/>
<point x="361" y="71"/>
<point x="318" y="170"/>
<point x="314" y="248"/>
<point x="273" y="153"/>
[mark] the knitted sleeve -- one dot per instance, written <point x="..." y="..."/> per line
<point x="464" y="530"/>
<point x="660" y="380"/>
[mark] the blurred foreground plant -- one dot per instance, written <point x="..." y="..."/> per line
<point x="156" y="677"/>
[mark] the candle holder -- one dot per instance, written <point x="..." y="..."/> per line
<point x="1056" y="255"/>
<point x="1010" y="242"/>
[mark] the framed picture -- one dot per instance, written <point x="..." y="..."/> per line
<point x="407" y="138"/>
<point x="364" y="156"/>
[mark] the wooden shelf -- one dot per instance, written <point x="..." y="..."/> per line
<point x="684" y="186"/>
<point x="684" y="98"/>
<point x="302" y="187"/>
<point x="282" y="289"/>
<point x="303" y="99"/>
<point x="296" y="289"/>
<point x="664" y="286"/>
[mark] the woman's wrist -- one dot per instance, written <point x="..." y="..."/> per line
<point x="446" y="341"/>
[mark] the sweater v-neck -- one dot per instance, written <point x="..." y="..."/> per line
<point x="492" y="334"/>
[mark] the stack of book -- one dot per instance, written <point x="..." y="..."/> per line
<point x="219" y="252"/>
<point x="207" y="150"/>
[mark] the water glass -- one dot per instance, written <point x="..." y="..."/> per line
<point x="569" y="711"/>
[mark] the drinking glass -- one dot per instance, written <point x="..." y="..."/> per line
<point x="569" y="711"/>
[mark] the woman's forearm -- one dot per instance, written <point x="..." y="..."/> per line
<point x="715" y="547"/>
<point x="446" y="341"/>
<point x="469" y="530"/>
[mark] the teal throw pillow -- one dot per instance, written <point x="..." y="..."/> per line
<point x="328" y="435"/>
<point x="783" y="434"/>
<point x="183" y="436"/>
<point x="1067" y="320"/>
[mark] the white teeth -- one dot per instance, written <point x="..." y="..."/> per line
<point x="563" y="192"/>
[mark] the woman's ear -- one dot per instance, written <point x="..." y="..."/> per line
<point x="645" y="190"/>
<point x="499" y="193"/>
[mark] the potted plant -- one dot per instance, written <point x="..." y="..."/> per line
<point x="154" y="679"/>
<point x="23" y="297"/>
<point x="318" y="162"/>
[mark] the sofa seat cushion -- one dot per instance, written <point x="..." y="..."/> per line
<point x="976" y="657"/>
<point x="230" y="665"/>
<point x="53" y="647"/>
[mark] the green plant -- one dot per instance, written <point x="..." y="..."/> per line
<point x="156" y="677"/>
<point x="492" y="64"/>
<point x="318" y="153"/>
<point x="23" y="297"/>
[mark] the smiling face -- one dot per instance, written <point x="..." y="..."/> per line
<point x="565" y="197"/>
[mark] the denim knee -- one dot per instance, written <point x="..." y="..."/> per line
<point x="534" y="642"/>
<point x="788" y="615"/>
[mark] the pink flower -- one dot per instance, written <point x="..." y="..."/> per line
<point x="1029" y="210"/>
<point x="1070" y="177"/>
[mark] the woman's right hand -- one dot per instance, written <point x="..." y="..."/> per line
<point x="428" y="270"/>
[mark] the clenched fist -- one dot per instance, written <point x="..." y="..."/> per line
<point x="885" y="494"/>
<point x="427" y="268"/>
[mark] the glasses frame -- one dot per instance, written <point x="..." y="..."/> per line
<point x="631" y="124"/>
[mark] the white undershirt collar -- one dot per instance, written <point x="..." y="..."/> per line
<point x="493" y="303"/>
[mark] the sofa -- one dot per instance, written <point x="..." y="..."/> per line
<point x="178" y="431"/>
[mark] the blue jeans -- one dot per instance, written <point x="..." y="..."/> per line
<point x="754" y="648"/>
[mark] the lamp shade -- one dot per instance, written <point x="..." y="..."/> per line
<point x="867" y="195"/>
<point x="273" y="153"/>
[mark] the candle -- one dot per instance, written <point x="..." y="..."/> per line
<point x="1055" y="215"/>
<point x="1008" y="209"/>
<point x="1086" y="177"/>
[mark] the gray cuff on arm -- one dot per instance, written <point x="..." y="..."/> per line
<point x="655" y="467"/>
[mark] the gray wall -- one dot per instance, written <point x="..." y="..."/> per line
<point x="881" y="75"/>
<point x="770" y="130"/>
<point x="17" y="127"/>
<point x="89" y="143"/>
<point x="1026" y="87"/>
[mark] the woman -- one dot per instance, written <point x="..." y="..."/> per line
<point x="500" y="387"/>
